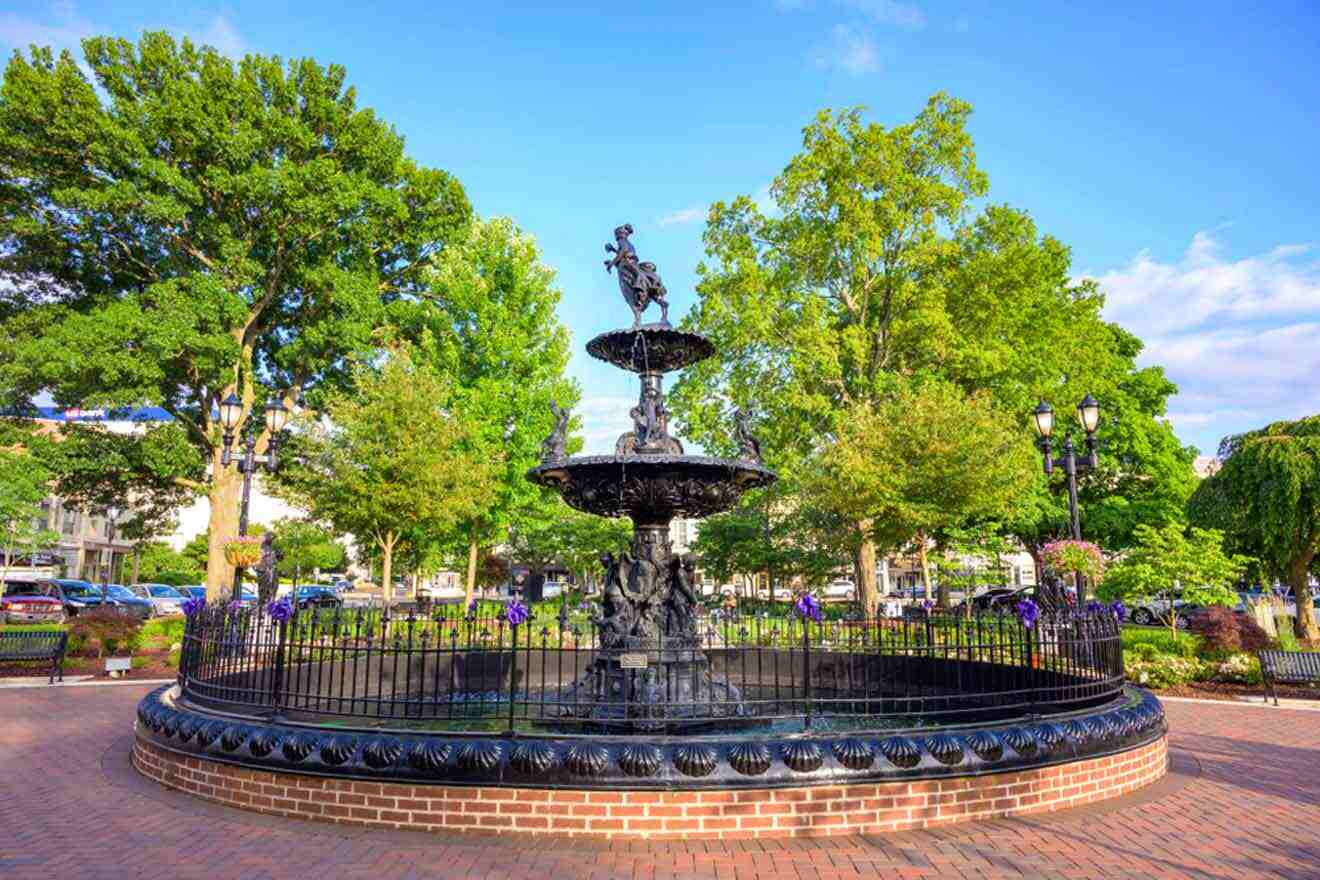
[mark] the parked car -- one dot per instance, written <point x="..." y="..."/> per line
<point x="164" y="599"/>
<point x="129" y="602"/>
<point x="77" y="595"/>
<point x="1156" y="610"/>
<point x="839" y="591"/>
<point x="553" y="589"/>
<point x="30" y="602"/>
<point x="316" y="597"/>
<point x="994" y="597"/>
<point x="192" y="591"/>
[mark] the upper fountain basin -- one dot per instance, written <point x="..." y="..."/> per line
<point x="651" y="348"/>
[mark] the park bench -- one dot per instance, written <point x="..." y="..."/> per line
<point x="36" y="645"/>
<point x="1288" y="667"/>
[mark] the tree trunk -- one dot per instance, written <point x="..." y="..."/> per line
<point x="226" y="492"/>
<point x="1299" y="579"/>
<point x="864" y="562"/>
<point x="386" y="575"/>
<point x="471" y="587"/>
<point x="137" y="564"/>
<point x="925" y="568"/>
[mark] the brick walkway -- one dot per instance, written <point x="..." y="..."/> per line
<point x="1242" y="801"/>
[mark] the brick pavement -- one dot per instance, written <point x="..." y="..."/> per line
<point x="1242" y="801"/>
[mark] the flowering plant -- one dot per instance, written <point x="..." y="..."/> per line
<point x="1075" y="557"/>
<point x="517" y="613"/>
<point x="244" y="550"/>
<point x="192" y="606"/>
<point x="807" y="607"/>
<point x="280" y="610"/>
<point x="1119" y="609"/>
<point x="1028" y="612"/>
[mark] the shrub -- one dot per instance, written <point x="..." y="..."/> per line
<point x="1224" y="632"/>
<point x="1165" y="670"/>
<point x="1287" y="638"/>
<point x="1240" y="669"/>
<point x="1162" y="641"/>
<point x="105" y="632"/>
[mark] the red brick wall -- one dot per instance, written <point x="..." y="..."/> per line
<point x="771" y="812"/>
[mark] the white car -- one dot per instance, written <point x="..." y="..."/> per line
<point x="839" y="591"/>
<point x="165" y="600"/>
<point x="553" y="589"/>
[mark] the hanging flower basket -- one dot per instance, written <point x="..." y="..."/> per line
<point x="1075" y="557"/>
<point x="242" y="552"/>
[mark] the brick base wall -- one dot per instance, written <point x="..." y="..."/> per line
<point x="771" y="812"/>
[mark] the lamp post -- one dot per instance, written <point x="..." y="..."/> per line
<point x="246" y="462"/>
<point x="1088" y="414"/>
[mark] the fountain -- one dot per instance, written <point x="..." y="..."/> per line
<point x="779" y="725"/>
<point x="651" y="671"/>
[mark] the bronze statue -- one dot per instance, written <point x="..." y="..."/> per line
<point x="749" y="448"/>
<point x="267" y="580"/>
<point x="554" y="448"/>
<point x="680" y="616"/>
<point x="639" y="282"/>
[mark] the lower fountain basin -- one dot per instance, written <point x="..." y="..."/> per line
<point x="652" y="488"/>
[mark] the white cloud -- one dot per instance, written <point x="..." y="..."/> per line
<point x="1237" y="336"/>
<point x="63" y="27"/>
<point x="903" y="15"/>
<point x="849" y="50"/>
<point x="604" y="418"/>
<point x="694" y="214"/>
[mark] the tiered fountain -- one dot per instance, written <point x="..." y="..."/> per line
<point x="651" y="671"/>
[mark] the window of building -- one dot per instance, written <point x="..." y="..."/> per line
<point x="70" y="525"/>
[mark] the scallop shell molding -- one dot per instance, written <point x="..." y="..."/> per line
<point x="642" y="762"/>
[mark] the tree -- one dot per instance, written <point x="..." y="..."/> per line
<point x="304" y="546"/>
<point x="391" y="462"/>
<point x="490" y="308"/>
<point x="186" y="227"/>
<point x="870" y="271"/>
<point x="1266" y="499"/>
<point x="159" y="563"/>
<point x="1191" y="561"/>
<point x="23" y="485"/>
<point x="925" y="459"/>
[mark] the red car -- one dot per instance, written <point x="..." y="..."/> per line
<point x="30" y="602"/>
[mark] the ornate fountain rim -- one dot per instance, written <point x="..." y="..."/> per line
<point x="650" y="762"/>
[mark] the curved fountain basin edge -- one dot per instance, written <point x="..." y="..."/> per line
<point x="642" y="762"/>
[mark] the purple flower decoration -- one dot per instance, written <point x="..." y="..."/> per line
<point x="235" y="605"/>
<point x="1120" y="610"/>
<point x="926" y="605"/>
<point x="193" y="606"/>
<point x="517" y="613"/>
<point x="1028" y="612"/>
<point x="1092" y="606"/>
<point x="807" y="607"/>
<point x="280" y="610"/>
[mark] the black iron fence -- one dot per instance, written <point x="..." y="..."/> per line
<point x="486" y="674"/>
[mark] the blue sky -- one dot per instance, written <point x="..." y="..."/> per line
<point x="1171" y="145"/>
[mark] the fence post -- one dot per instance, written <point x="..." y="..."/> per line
<point x="806" y="670"/>
<point x="277" y="684"/>
<point x="513" y="671"/>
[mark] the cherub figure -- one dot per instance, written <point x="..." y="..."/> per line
<point x="555" y="446"/>
<point x="749" y="448"/>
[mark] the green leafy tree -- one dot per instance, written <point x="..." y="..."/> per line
<point x="1266" y="499"/>
<point x="23" y="486"/>
<point x="183" y="226"/>
<point x="390" y="463"/>
<point x="926" y="459"/>
<point x="870" y="271"/>
<point x="490" y="308"/>
<point x="159" y="563"/>
<point x="1168" y="559"/>
<point x="305" y="546"/>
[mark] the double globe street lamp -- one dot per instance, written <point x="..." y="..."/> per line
<point x="277" y="416"/>
<point x="1088" y="413"/>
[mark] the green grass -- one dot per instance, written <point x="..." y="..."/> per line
<point x="1164" y="642"/>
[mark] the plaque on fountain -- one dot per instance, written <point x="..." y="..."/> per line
<point x="632" y="661"/>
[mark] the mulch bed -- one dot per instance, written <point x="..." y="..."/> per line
<point x="155" y="667"/>
<point x="1218" y="690"/>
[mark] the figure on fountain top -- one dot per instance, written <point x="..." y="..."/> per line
<point x="639" y="282"/>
